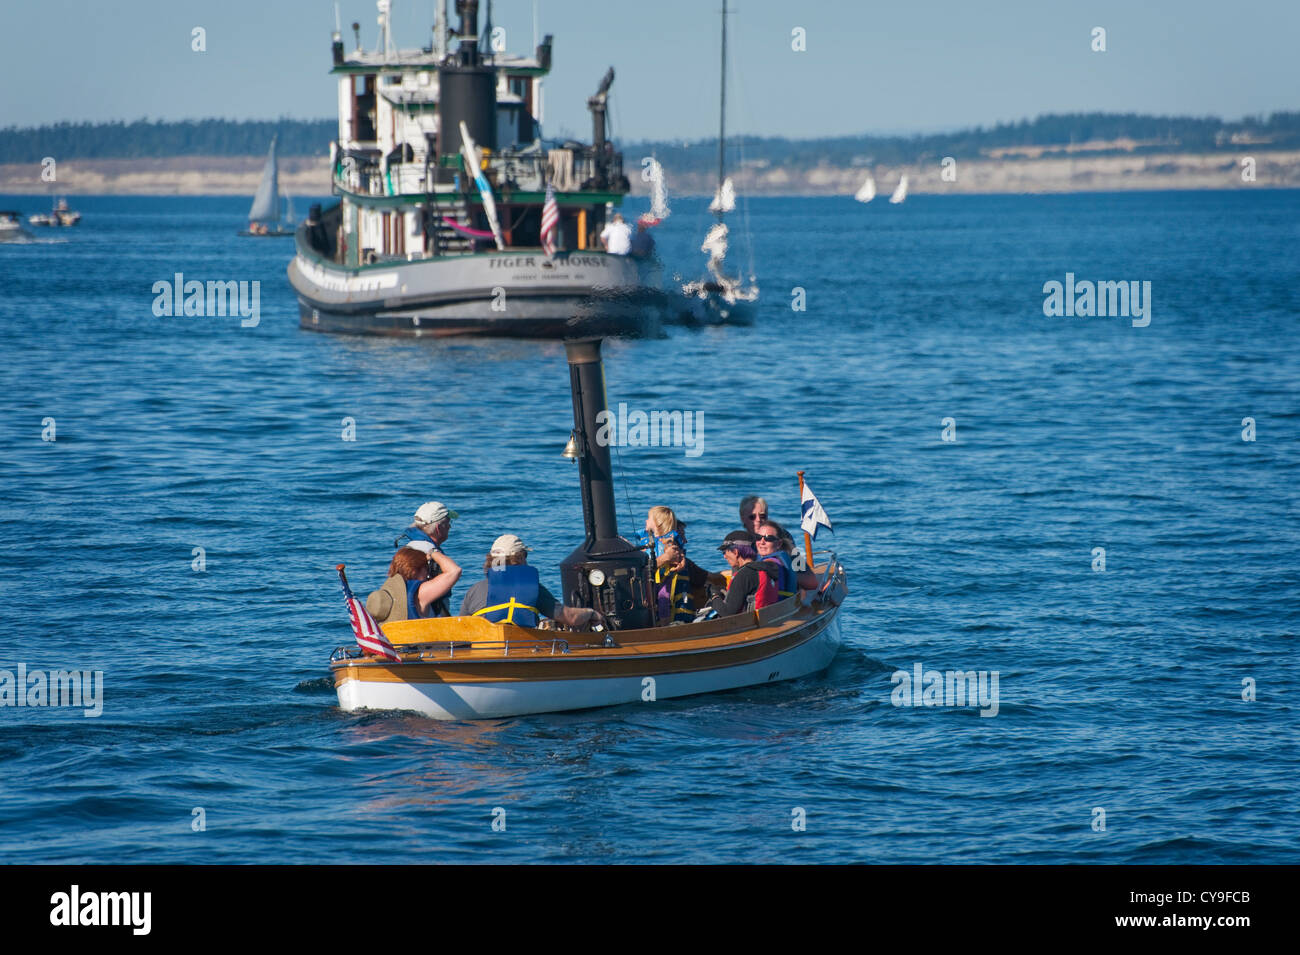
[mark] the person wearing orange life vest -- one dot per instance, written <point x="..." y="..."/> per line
<point x="512" y="592"/>
<point x="753" y="582"/>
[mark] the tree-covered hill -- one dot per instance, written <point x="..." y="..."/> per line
<point x="1051" y="134"/>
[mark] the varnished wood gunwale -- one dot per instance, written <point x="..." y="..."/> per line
<point x="638" y="659"/>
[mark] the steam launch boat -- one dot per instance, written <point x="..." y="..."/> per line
<point x="455" y="216"/>
<point x="462" y="668"/>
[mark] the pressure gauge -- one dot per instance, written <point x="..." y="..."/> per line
<point x="596" y="577"/>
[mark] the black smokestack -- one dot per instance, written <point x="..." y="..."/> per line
<point x="587" y="383"/>
<point x="623" y="593"/>
<point x="468" y="11"/>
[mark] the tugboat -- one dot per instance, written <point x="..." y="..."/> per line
<point x="60" y="215"/>
<point x="464" y="668"/>
<point x="455" y="216"/>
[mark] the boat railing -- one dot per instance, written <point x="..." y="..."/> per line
<point x="830" y="580"/>
<point x="364" y="174"/>
<point x="831" y="565"/>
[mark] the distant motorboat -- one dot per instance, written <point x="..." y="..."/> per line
<point x="867" y="192"/>
<point x="901" y="192"/>
<point x="11" y="227"/>
<point x="264" y="216"/>
<point x="60" y="215"/>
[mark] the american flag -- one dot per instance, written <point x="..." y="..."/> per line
<point x="550" y="221"/>
<point x="369" y="637"/>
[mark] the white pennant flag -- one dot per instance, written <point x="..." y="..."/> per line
<point x="814" y="515"/>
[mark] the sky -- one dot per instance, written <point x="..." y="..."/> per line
<point x="897" y="67"/>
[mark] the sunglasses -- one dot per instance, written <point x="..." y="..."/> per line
<point x="770" y="538"/>
<point x="761" y="517"/>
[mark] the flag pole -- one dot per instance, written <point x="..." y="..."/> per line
<point x="807" y="541"/>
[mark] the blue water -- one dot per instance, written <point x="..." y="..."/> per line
<point x="1120" y="689"/>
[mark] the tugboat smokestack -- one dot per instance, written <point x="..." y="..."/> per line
<point x="468" y="11"/>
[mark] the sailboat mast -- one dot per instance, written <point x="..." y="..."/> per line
<point x="722" y="109"/>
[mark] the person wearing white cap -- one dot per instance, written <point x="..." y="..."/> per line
<point x="430" y="526"/>
<point x="432" y="523"/>
<point x="512" y="592"/>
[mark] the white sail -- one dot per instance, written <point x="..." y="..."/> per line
<point x="266" y="203"/>
<point x="658" y="192"/>
<point x="725" y="200"/>
<point x="867" y="192"/>
<point x="715" y="243"/>
<point x="901" y="192"/>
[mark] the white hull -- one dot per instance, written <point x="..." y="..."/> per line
<point x="469" y="701"/>
<point x="511" y="293"/>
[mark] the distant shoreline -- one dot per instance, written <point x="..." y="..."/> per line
<point x="307" y="176"/>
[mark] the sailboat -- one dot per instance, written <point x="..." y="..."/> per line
<point x="264" y="216"/>
<point x="900" y="193"/>
<point x="719" y="298"/>
<point x="867" y="192"/>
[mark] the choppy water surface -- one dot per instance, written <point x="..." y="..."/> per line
<point x="1119" y="689"/>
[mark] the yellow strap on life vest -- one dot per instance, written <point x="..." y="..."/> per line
<point x="510" y="606"/>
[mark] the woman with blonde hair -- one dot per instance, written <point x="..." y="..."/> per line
<point x="679" y="582"/>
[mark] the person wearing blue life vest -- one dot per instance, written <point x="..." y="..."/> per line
<point x="420" y="578"/>
<point x="774" y="544"/>
<point x="430" y="526"/>
<point x="432" y="523"/>
<point x="679" y="582"/>
<point x="512" y="592"/>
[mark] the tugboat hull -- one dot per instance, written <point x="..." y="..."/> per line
<point x="509" y="294"/>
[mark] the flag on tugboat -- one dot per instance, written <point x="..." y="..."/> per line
<point x="369" y="636"/>
<point x="814" y="515"/>
<point x="550" y="221"/>
<point x="473" y="166"/>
